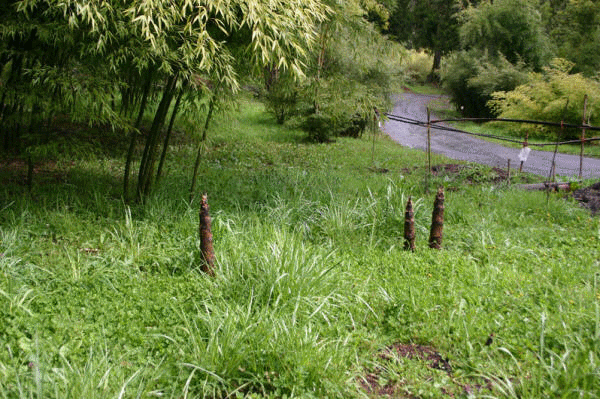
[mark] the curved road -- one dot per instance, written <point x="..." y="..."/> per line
<point x="469" y="148"/>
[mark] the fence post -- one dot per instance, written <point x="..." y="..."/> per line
<point x="429" y="140"/>
<point x="562" y="128"/>
<point x="409" y="227"/>
<point x="525" y="144"/>
<point x="585" y="99"/>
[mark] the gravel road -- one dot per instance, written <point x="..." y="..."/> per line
<point x="468" y="148"/>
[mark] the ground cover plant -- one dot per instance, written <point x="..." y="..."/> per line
<point x="313" y="296"/>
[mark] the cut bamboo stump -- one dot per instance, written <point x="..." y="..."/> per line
<point x="437" y="221"/>
<point x="409" y="227"/>
<point x="206" y="238"/>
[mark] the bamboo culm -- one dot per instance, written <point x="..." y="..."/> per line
<point x="146" y="170"/>
<point x="200" y="147"/>
<point x="163" y="156"/>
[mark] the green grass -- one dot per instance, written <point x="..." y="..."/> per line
<point x="99" y="298"/>
<point x="424" y="89"/>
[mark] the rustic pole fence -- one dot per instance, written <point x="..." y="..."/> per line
<point x="562" y="128"/>
<point x="429" y="140"/>
<point x="524" y="152"/>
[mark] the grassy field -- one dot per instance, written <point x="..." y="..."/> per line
<point x="313" y="297"/>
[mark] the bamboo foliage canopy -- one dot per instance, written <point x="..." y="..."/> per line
<point x="93" y="44"/>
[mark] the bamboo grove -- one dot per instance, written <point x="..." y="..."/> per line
<point x="111" y="62"/>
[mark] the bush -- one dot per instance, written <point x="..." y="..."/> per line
<point x="471" y="78"/>
<point x="545" y="98"/>
<point x="281" y="95"/>
<point x="354" y="127"/>
<point x="416" y="66"/>
<point x="319" y="127"/>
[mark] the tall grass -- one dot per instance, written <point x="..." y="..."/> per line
<point x="100" y="298"/>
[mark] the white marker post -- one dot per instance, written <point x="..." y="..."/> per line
<point x="523" y="156"/>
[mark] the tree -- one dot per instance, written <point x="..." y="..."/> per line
<point x="430" y="24"/>
<point x="501" y="42"/>
<point x="512" y="28"/>
<point x="47" y="69"/>
<point x="351" y="70"/>
<point x="575" y="29"/>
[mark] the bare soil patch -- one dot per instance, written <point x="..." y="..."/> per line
<point x="589" y="197"/>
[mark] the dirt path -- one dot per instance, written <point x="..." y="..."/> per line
<point x="468" y="148"/>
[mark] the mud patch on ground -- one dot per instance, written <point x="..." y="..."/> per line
<point x="422" y="352"/>
<point x="589" y="197"/>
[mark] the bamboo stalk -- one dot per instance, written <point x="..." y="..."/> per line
<point x="146" y="169"/>
<point x="163" y="156"/>
<point x="134" y="133"/>
<point x="437" y="221"/>
<point x="201" y="146"/>
<point x="206" y="238"/>
<point x="409" y="227"/>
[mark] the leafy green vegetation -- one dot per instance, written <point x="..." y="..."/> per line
<point x="504" y="45"/>
<point x="554" y="95"/>
<point x="312" y="292"/>
<point x="102" y="63"/>
<point x="351" y="73"/>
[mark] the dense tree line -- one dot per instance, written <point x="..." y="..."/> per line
<point x="497" y="46"/>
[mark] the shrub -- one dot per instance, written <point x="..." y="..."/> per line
<point x="416" y="66"/>
<point x="472" y="77"/>
<point x="354" y="127"/>
<point x="545" y="98"/>
<point x="319" y="127"/>
<point x="281" y="97"/>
